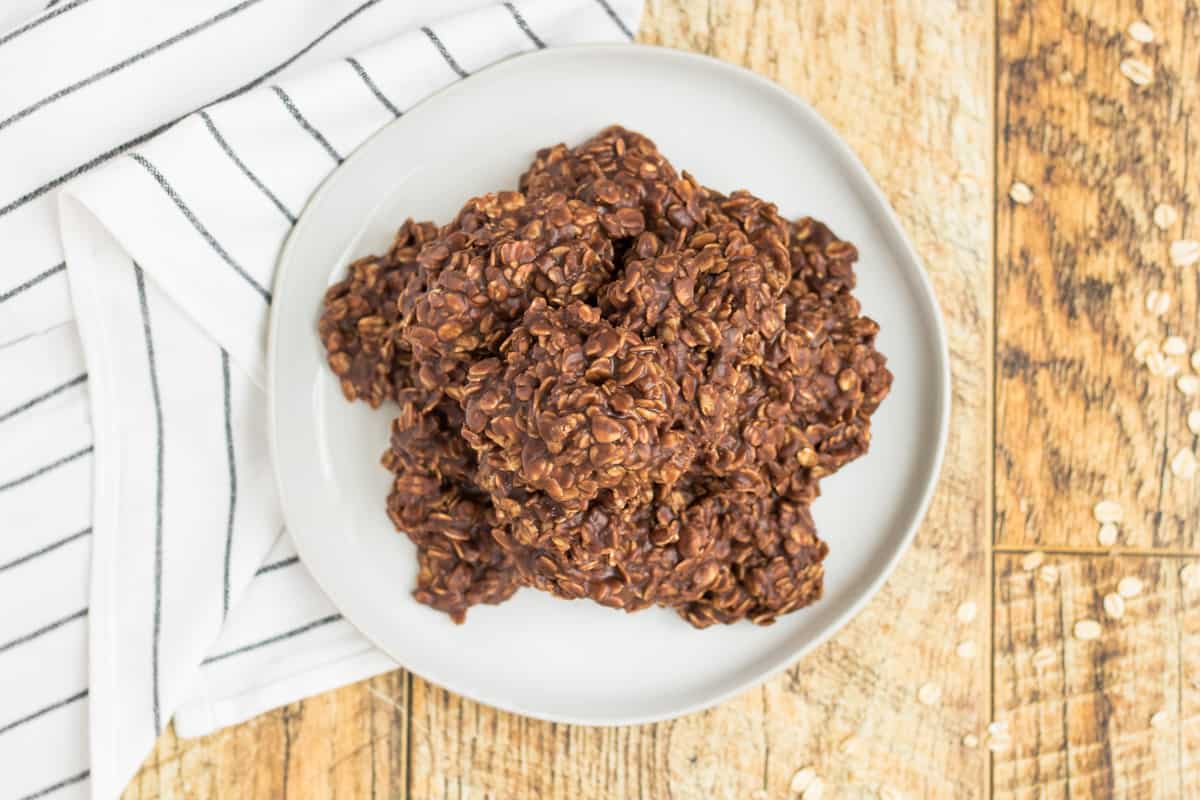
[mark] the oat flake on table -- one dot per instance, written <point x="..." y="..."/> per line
<point x="1114" y="605"/>
<point x="1156" y="362"/>
<point x="1193" y="421"/>
<point x="929" y="694"/>
<point x="1139" y="31"/>
<point x="1164" y="216"/>
<point x="1159" y="720"/>
<point x="1185" y="252"/>
<point x="1158" y="303"/>
<point x="1144" y="349"/>
<point x="965" y="649"/>
<point x="1174" y="346"/>
<point x="971" y="741"/>
<point x="1188" y="384"/>
<point x="966" y="612"/>
<point x="1129" y="586"/>
<point x="1107" y="535"/>
<point x="1087" y="629"/>
<point x="1020" y="193"/>
<point x="1049" y="574"/>
<point x="1138" y="72"/>
<point x="802" y="779"/>
<point x="1183" y="465"/>
<point x="1043" y="658"/>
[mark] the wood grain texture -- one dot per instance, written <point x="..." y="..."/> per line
<point x="1081" y="720"/>
<point x="910" y="90"/>
<point x="909" y="86"/>
<point x="350" y="743"/>
<point x="1077" y="419"/>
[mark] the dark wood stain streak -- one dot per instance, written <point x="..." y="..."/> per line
<point x="407" y="770"/>
<point x="1105" y="654"/>
<point x="287" y="716"/>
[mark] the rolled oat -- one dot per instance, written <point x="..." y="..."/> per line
<point x="1185" y="252"/>
<point x="1165" y="216"/>
<point x="1138" y="72"/>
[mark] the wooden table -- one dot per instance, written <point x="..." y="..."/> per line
<point x="948" y="104"/>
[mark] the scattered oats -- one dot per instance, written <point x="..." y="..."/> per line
<point x="1108" y="511"/>
<point x="1185" y="252"/>
<point x="1196" y="360"/>
<point x="1043" y="658"/>
<point x="965" y="649"/>
<point x="1114" y="605"/>
<point x="1174" y="346"/>
<point x="1189" y="576"/>
<point x="1157" y="302"/>
<point x="1032" y="560"/>
<point x="1049" y="574"/>
<point x="1129" y="586"/>
<point x="1087" y="629"/>
<point x="1188" y="384"/>
<point x="966" y="612"/>
<point x="998" y="728"/>
<point x="1156" y="363"/>
<point x="998" y="744"/>
<point x="814" y="790"/>
<point x="1183" y="465"/>
<point x="1164" y="216"/>
<point x="1170" y="369"/>
<point x="1138" y="72"/>
<point x="929" y="694"/>
<point x="1143" y="350"/>
<point x="1141" y="32"/>
<point x="1159" y="720"/>
<point x="971" y="741"/>
<point x="802" y="780"/>
<point x="1020" y="193"/>
<point x="1107" y="535"/>
<point x="1193" y="421"/>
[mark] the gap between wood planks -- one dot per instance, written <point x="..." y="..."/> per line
<point x="1066" y="550"/>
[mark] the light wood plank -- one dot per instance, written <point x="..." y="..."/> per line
<point x="1077" y="419"/>
<point x="1081" y="720"/>
<point x="910" y="89"/>
<point x="350" y="743"/>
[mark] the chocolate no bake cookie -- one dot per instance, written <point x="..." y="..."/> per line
<point x="613" y="384"/>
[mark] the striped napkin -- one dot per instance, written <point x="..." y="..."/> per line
<point x="144" y="568"/>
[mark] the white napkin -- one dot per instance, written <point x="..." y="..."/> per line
<point x="197" y="608"/>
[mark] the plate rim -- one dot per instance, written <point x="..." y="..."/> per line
<point x="772" y="665"/>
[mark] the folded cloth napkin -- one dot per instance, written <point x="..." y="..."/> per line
<point x="155" y="229"/>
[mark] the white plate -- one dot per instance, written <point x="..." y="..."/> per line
<point x="576" y="661"/>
